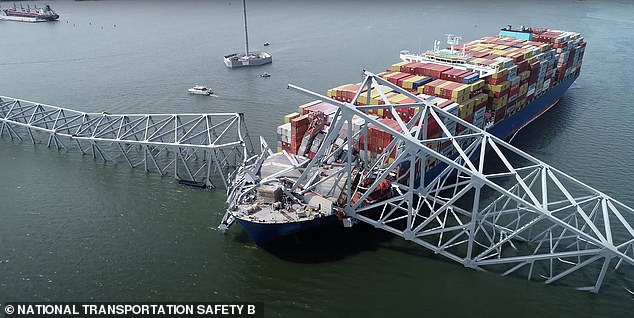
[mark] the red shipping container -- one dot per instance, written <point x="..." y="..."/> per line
<point x="522" y="66"/>
<point x="419" y="69"/>
<point x="400" y="80"/>
<point x="499" y="114"/>
<point x="479" y="54"/>
<point x="502" y="93"/>
<point x="453" y="74"/>
<point x="495" y="81"/>
<point x="386" y="74"/>
<point x="406" y="68"/>
<point x="438" y="69"/>
<point x="478" y="106"/>
<point x="514" y="89"/>
<point x="445" y="104"/>
<point x="394" y="79"/>
<point x="460" y="127"/>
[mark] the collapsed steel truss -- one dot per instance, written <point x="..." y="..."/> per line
<point x="198" y="147"/>
<point x="491" y="206"/>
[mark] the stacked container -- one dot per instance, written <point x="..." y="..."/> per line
<point x="524" y="70"/>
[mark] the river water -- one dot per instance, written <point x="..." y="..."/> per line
<point x="73" y="229"/>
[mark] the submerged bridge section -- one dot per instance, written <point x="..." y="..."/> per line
<point x="199" y="149"/>
<point x="486" y="205"/>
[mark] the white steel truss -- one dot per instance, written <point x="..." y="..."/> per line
<point x="485" y="204"/>
<point x="198" y="148"/>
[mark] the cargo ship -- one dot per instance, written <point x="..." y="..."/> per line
<point x="498" y="83"/>
<point x="29" y="14"/>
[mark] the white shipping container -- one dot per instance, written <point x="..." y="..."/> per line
<point x="479" y="113"/>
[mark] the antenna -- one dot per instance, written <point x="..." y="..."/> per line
<point x="436" y="45"/>
<point x="453" y="40"/>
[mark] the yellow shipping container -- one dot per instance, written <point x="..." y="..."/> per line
<point x="500" y="73"/>
<point x="374" y="94"/>
<point x="375" y="100"/>
<point x="464" y="111"/>
<point x="460" y="99"/>
<point x="480" y="98"/>
<point x="470" y="103"/>
<point x="528" y="54"/>
<point x="394" y="98"/>
<point x="494" y="52"/>
<point x="525" y="75"/>
<point x="498" y="87"/>
<point x="437" y="89"/>
<point x="464" y="89"/>
<point x="397" y="67"/>
<point x="401" y="99"/>
<point x="477" y="85"/>
<point x="500" y="101"/>
<point x="409" y="83"/>
<point x="289" y="117"/>
<point x="523" y="89"/>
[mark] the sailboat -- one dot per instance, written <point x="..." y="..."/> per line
<point x="248" y="58"/>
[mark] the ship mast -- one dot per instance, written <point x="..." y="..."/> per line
<point x="246" y="33"/>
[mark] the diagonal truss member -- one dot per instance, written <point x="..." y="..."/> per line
<point x="519" y="216"/>
<point x="198" y="148"/>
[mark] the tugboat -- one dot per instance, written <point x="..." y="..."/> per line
<point x="29" y="14"/>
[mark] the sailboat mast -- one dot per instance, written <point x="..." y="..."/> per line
<point x="246" y="33"/>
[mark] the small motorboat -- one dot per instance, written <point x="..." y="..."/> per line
<point x="200" y="90"/>
<point x="265" y="74"/>
<point x="267" y="43"/>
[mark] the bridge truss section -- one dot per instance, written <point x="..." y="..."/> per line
<point x="484" y="204"/>
<point x="198" y="149"/>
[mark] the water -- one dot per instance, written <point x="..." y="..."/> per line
<point x="74" y="229"/>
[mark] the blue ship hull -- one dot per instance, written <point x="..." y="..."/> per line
<point x="265" y="232"/>
<point x="261" y="233"/>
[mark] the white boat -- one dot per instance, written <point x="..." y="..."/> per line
<point x="200" y="90"/>
<point x="265" y="74"/>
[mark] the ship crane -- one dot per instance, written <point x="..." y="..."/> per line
<point x="525" y="218"/>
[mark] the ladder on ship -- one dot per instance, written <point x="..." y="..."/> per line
<point x="199" y="149"/>
<point x="524" y="218"/>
